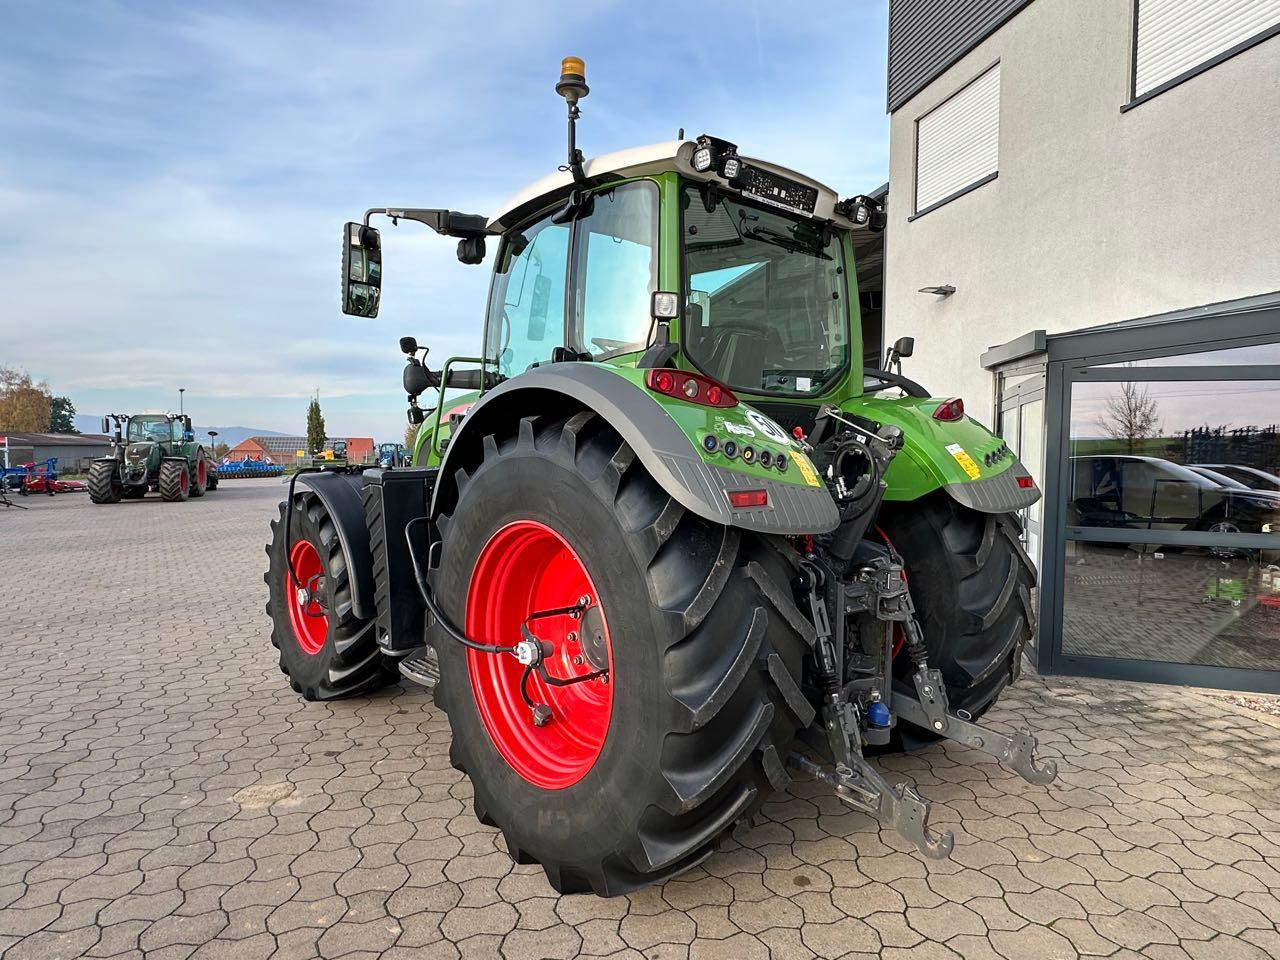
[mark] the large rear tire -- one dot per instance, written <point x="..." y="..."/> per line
<point x="199" y="477"/>
<point x="704" y="644"/>
<point x="326" y="651"/>
<point x="174" y="482"/>
<point x="104" y="482"/>
<point x="971" y="582"/>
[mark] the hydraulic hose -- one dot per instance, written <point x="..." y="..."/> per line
<point x="425" y="590"/>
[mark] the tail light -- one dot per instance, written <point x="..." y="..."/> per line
<point x="693" y="387"/>
<point x="1026" y="483"/>
<point x="740" y="499"/>
<point x="949" y="411"/>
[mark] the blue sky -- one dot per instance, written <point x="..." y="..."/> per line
<point x="178" y="174"/>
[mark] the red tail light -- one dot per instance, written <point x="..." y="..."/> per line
<point x="1026" y="483"/>
<point x="693" y="387"/>
<point x="739" y="499"/>
<point x="949" y="411"/>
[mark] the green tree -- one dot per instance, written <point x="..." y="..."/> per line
<point x="62" y="415"/>
<point x="315" y="427"/>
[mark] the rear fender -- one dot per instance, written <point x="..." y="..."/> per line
<point x="962" y="457"/>
<point x="340" y="494"/>
<point x="665" y="445"/>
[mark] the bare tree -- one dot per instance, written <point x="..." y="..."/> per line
<point x="1132" y="415"/>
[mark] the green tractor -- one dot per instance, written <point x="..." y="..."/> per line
<point x="151" y="451"/>
<point x="675" y="546"/>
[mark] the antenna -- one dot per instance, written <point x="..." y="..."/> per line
<point x="573" y="87"/>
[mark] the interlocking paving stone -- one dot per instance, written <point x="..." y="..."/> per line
<point x="165" y="795"/>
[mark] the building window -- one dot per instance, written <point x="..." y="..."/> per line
<point x="1176" y="39"/>
<point x="957" y="143"/>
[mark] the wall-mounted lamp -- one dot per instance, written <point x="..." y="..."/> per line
<point x="943" y="291"/>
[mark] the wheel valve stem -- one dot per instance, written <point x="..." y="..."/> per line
<point x="541" y="715"/>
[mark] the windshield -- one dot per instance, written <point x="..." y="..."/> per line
<point x="148" y="428"/>
<point x="767" y="304"/>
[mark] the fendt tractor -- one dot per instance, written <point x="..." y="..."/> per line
<point x="675" y="546"/>
<point x="151" y="451"/>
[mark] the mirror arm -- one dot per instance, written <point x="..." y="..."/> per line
<point x="447" y="223"/>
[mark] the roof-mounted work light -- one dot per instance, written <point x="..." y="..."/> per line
<point x="712" y="153"/>
<point x="864" y="211"/>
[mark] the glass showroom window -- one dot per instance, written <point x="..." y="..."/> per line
<point x="1172" y="500"/>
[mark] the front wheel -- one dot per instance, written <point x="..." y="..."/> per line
<point x="104" y="482"/>
<point x="971" y="582"/>
<point x="174" y="482"/>
<point x="689" y="643"/>
<point x="200" y="477"/>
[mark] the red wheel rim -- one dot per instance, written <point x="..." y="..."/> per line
<point x="200" y="474"/>
<point x="309" y="631"/>
<point x="525" y="567"/>
<point x="182" y="480"/>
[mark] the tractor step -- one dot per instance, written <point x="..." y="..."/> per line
<point x="422" y="667"/>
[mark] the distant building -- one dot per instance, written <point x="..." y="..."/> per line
<point x="73" y="450"/>
<point x="284" y="450"/>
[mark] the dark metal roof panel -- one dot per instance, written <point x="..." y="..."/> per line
<point x="928" y="36"/>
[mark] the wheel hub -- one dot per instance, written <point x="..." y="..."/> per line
<point x="545" y="708"/>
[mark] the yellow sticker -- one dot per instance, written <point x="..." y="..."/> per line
<point x="806" y="469"/>
<point x="966" y="462"/>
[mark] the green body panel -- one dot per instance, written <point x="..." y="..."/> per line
<point x="925" y="463"/>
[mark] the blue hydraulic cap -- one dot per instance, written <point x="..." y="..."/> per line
<point x="877" y="714"/>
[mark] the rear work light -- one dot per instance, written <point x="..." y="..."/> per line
<point x="741" y="499"/>
<point x="693" y="387"/>
<point x="949" y="411"/>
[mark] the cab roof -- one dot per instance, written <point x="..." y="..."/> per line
<point x="670" y="155"/>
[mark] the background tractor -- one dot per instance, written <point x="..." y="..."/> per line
<point x="151" y="451"/>
<point x="675" y="546"/>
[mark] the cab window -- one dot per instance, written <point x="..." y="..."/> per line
<point x="526" y="301"/>
<point x="616" y="271"/>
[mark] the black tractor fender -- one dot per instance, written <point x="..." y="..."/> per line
<point x="340" y="494"/>
<point x="658" y="441"/>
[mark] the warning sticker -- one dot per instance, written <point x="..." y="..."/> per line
<point x="806" y="469"/>
<point x="966" y="462"/>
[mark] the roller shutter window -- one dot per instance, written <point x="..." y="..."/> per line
<point x="958" y="142"/>
<point x="1176" y="36"/>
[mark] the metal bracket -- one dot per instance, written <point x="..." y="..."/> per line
<point x="899" y="807"/>
<point x="932" y="712"/>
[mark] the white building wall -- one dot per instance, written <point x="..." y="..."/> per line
<point x="1096" y="215"/>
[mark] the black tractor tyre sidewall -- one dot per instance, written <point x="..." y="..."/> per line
<point x="310" y="674"/>
<point x="588" y="812"/>
<point x="941" y="542"/>
<point x="169" y="481"/>
<point x="197" y="489"/>
<point x="104" y="483"/>
<point x="605" y="827"/>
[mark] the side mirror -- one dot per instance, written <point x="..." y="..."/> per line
<point x="361" y="270"/>
<point x="409" y="345"/>
<point x="904" y="346"/>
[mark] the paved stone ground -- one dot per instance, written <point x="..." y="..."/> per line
<point x="164" y="794"/>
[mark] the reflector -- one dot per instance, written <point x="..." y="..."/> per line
<point x="741" y="499"/>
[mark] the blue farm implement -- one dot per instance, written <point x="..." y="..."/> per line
<point x="248" y="468"/>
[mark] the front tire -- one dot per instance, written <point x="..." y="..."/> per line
<point x="971" y="582"/>
<point x="703" y="641"/>
<point x="104" y="482"/>
<point x="174" y="481"/>
<point x="326" y="651"/>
